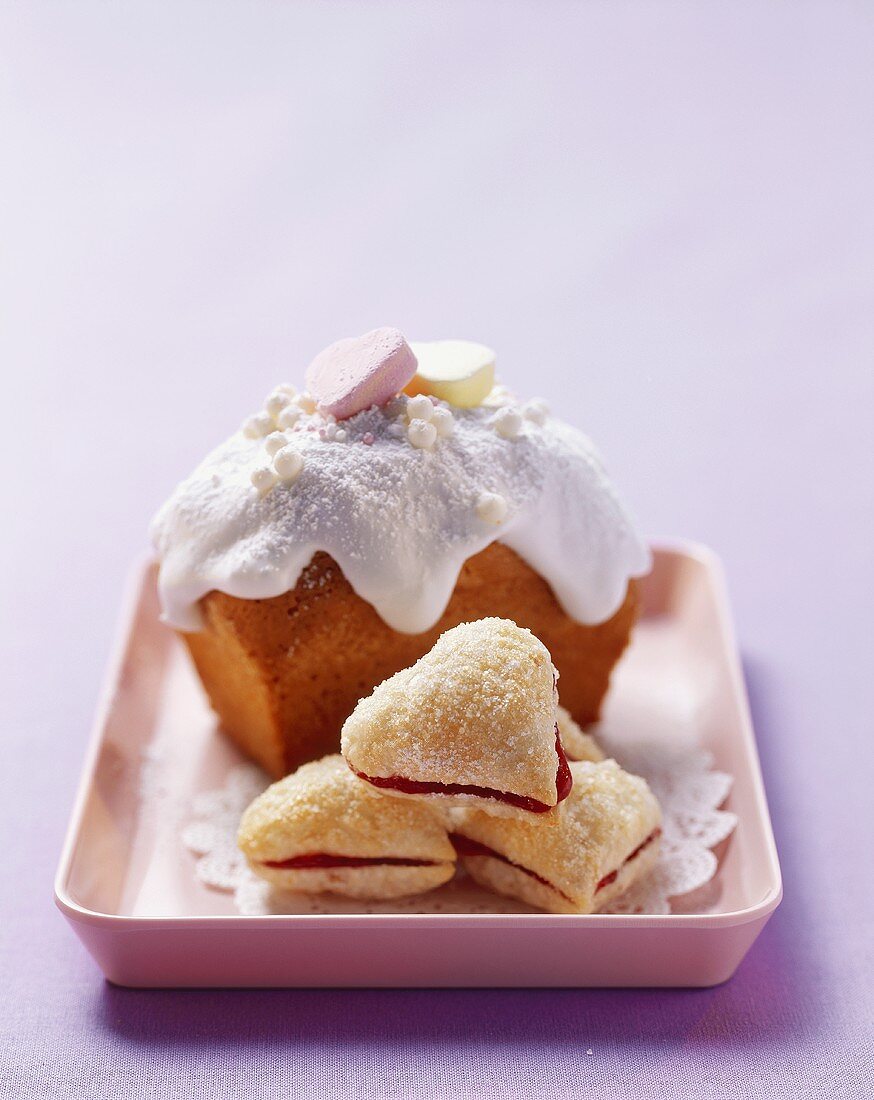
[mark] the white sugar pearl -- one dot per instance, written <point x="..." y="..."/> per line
<point x="491" y="507"/>
<point x="275" y="442"/>
<point x="498" y="396"/>
<point x="306" y="401"/>
<point x="507" y="423"/>
<point x="288" y="463"/>
<point x="421" y="434"/>
<point x="276" y="402"/>
<point x="341" y="436"/>
<point x="443" y="421"/>
<point x="263" y="479"/>
<point x="259" y="425"/>
<point x="289" y="416"/>
<point x="536" y="411"/>
<point x="420" y="407"/>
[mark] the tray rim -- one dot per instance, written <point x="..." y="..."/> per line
<point x="283" y="922"/>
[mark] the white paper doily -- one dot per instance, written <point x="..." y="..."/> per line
<point x="682" y="778"/>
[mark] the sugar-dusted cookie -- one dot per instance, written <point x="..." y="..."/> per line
<point x="606" y="836"/>
<point x="320" y="830"/>
<point x="471" y="723"/>
<point x="577" y="744"/>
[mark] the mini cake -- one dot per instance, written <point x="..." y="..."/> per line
<point x="605" y="838"/>
<point x="577" y="744"/>
<point x="332" y="539"/>
<point x="321" y="830"/>
<point x="473" y="722"/>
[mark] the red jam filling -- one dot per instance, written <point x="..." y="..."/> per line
<point x="563" y="783"/>
<point x="465" y="846"/>
<point x="607" y="879"/>
<point x="323" y="859"/>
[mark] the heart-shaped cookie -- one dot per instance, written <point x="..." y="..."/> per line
<point x="353" y="374"/>
<point x="471" y="723"/>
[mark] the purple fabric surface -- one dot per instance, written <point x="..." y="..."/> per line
<point x="661" y="216"/>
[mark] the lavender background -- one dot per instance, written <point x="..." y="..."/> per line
<point x="661" y="215"/>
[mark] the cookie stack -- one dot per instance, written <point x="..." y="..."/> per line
<point x="465" y="757"/>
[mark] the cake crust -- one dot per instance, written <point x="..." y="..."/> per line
<point x="284" y="673"/>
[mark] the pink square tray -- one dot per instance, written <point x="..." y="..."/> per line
<point x="127" y="886"/>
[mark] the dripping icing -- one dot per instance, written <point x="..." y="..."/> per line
<point x="399" y="520"/>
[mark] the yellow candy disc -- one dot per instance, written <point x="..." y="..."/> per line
<point x="457" y="371"/>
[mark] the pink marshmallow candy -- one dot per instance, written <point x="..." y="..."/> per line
<point x="361" y="371"/>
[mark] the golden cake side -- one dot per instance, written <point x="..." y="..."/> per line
<point x="284" y="673"/>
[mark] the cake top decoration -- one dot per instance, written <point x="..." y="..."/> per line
<point x="400" y="494"/>
<point x="457" y="371"/>
<point x="353" y="374"/>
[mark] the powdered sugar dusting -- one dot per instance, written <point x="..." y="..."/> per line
<point x="400" y="519"/>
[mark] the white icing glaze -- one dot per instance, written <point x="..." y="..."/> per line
<point x="399" y="520"/>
